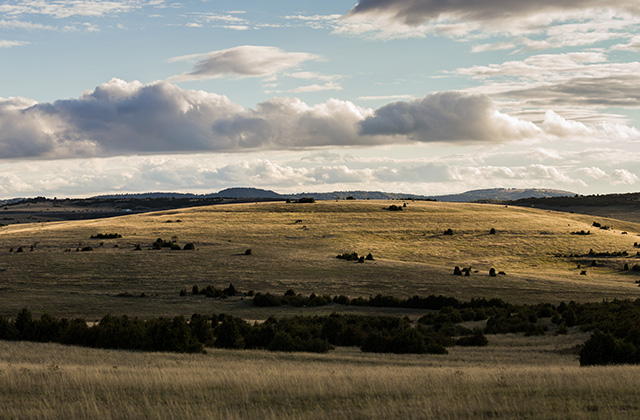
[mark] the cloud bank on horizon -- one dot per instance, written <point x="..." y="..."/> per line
<point x="420" y="96"/>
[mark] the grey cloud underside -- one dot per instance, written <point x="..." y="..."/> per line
<point x="417" y="12"/>
<point x="448" y="117"/>
<point x="121" y="118"/>
<point x="619" y="91"/>
<point x="243" y="61"/>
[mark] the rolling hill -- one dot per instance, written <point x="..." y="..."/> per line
<point x="294" y="246"/>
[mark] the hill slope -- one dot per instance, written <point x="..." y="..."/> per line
<point x="294" y="246"/>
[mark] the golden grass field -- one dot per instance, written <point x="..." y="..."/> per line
<point x="412" y="256"/>
<point x="513" y="377"/>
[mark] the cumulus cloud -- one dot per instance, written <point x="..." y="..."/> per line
<point x="119" y="117"/>
<point x="244" y="61"/>
<point x="124" y="118"/>
<point x="448" y="116"/>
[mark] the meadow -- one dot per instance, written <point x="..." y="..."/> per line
<point x="513" y="377"/>
<point x="294" y="245"/>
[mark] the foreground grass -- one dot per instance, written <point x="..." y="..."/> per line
<point x="412" y="256"/>
<point x="514" y="377"/>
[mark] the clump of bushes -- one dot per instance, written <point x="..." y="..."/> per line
<point x="106" y="236"/>
<point x="172" y="245"/>
<point x="393" y="207"/>
<point x="212" y="292"/>
<point x="306" y="200"/>
<point x="448" y="232"/>
<point x="582" y="232"/>
<point x="600" y="226"/>
<point x="608" y="254"/>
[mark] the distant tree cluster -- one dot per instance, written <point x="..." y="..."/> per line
<point x="172" y="244"/>
<point x="112" y="332"/>
<point x="106" y="236"/>
<point x="309" y="334"/>
<point x="353" y="256"/>
<point x="212" y="292"/>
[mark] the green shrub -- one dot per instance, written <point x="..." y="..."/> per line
<point x="477" y="339"/>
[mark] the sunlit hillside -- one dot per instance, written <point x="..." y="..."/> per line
<point x="294" y="245"/>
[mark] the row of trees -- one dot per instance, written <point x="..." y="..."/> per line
<point x="300" y="333"/>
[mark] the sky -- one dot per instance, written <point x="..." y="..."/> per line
<point x="411" y="96"/>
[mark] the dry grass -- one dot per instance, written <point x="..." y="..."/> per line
<point x="515" y="377"/>
<point x="412" y="256"/>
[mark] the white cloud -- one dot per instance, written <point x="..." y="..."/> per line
<point x="68" y="8"/>
<point x="244" y="61"/>
<point x="317" y="88"/>
<point x="8" y="44"/>
<point x="623" y="176"/>
<point x="386" y="97"/>
<point x="18" y="24"/>
<point x="593" y="172"/>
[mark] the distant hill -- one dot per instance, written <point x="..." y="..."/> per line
<point x="243" y="192"/>
<point x="503" y="194"/>
<point x="258" y="193"/>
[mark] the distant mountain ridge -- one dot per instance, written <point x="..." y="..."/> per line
<point x="498" y="194"/>
<point x="504" y="194"/>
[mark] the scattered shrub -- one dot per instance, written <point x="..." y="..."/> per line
<point x="448" y="232"/>
<point x="477" y="339"/>
<point x="457" y="271"/>
<point x="492" y="272"/>
<point x="353" y="256"/>
<point x="247" y="252"/>
<point x="369" y="257"/>
<point x="189" y="247"/>
<point x="86" y="249"/>
<point x="393" y="207"/>
<point x="492" y="231"/>
<point x="306" y="200"/>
